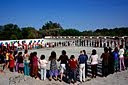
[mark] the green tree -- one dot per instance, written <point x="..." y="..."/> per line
<point x="10" y="29"/>
<point x="30" y="32"/>
<point x="51" y="29"/>
<point x="71" y="32"/>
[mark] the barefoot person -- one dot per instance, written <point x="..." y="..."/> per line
<point x="63" y="63"/>
<point x="43" y="64"/>
<point x="53" y="66"/>
<point x="73" y="64"/>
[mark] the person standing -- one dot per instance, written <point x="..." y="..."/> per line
<point x="73" y="65"/>
<point x="105" y="62"/>
<point x="116" y="59"/>
<point x="94" y="62"/>
<point x="11" y="61"/>
<point x="43" y="63"/>
<point x="7" y="58"/>
<point x="35" y="65"/>
<point x="20" y="63"/>
<point x="81" y="60"/>
<point x="126" y="57"/>
<point x="86" y="65"/>
<point x="53" y="66"/>
<point x="121" y="56"/>
<point x="63" y="64"/>
<point x="111" y="62"/>
<point x="26" y="63"/>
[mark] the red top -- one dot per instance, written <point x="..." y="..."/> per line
<point x="35" y="61"/>
<point x="72" y="63"/>
<point x="11" y="61"/>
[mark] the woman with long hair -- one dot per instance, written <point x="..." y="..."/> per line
<point x="53" y="66"/>
<point x="94" y="62"/>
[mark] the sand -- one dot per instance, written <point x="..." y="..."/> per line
<point x="8" y="78"/>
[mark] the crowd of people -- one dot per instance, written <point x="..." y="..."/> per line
<point x="72" y="69"/>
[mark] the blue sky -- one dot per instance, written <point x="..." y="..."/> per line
<point x="78" y="14"/>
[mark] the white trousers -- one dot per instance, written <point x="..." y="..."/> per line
<point x="62" y="68"/>
<point x="82" y="72"/>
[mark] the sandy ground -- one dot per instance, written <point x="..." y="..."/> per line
<point x="8" y="78"/>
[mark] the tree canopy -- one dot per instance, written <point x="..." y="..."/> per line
<point x="13" y="31"/>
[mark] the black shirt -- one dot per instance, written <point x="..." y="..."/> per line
<point x="63" y="58"/>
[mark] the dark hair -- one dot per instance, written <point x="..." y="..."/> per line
<point x="53" y="55"/>
<point x="81" y="51"/>
<point x="116" y="49"/>
<point x="31" y="56"/>
<point x="35" y="53"/>
<point x="63" y="52"/>
<point x="105" y="49"/>
<point x="26" y="51"/>
<point x="72" y="56"/>
<point x="84" y="52"/>
<point x="110" y="49"/>
<point x="42" y="57"/>
<point x="93" y="52"/>
<point x="20" y="53"/>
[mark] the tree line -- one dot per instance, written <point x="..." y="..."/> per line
<point x="13" y="31"/>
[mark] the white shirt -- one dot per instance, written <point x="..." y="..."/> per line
<point x="121" y="53"/>
<point x="94" y="59"/>
<point x="43" y="63"/>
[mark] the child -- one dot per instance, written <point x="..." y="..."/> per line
<point x="20" y="63"/>
<point x="63" y="64"/>
<point x="116" y="59"/>
<point x="26" y="63"/>
<point x="43" y="63"/>
<point x="73" y="68"/>
<point x="53" y="66"/>
<point x="11" y="62"/>
<point x="121" y="56"/>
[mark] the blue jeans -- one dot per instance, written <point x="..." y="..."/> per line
<point x="26" y="68"/>
<point x="43" y="73"/>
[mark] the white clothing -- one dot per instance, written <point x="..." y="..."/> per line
<point x="94" y="59"/>
<point x="43" y="73"/>
<point x="43" y="63"/>
<point x="121" y="53"/>
<point x="26" y="58"/>
<point x="82" y="72"/>
<point x="62" y="68"/>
